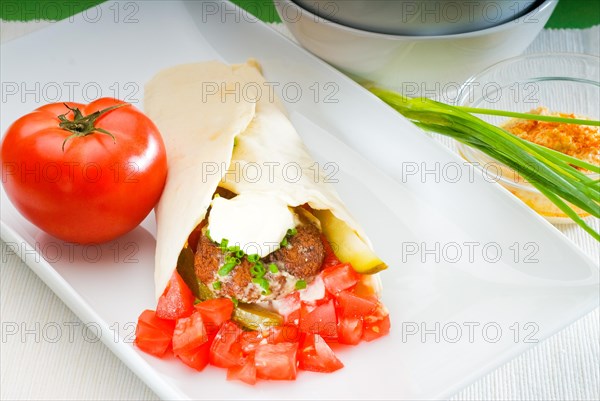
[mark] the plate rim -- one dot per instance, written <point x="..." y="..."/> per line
<point x="81" y="308"/>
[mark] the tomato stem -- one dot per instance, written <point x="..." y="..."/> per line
<point x="82" y="125"/>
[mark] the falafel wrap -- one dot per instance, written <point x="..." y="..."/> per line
<point x="254" y="233"/>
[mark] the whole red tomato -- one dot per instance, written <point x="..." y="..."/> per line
<point x="84" y="173"/>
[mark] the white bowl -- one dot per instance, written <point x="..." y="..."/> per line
<point x="415" y="65"/>
<point x="418" y="17"/>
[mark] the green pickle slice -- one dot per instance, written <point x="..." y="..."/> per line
<point x="254" y="317"/>
<point x="185" y="268"/>
<point x="204" y="293"/>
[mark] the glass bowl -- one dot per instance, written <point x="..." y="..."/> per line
<point x="560" y="82"/>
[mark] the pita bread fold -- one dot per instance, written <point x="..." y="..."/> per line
<point x="242" y="142"/>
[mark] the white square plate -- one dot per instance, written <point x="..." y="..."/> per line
<point x="475" y="276"/>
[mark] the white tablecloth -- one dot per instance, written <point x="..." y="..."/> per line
<point x="35" y="366"/>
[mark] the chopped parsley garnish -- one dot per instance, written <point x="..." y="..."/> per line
<point x="217" y="285"/>
<point x="273" y="268"/>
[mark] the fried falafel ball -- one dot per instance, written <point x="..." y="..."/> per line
<point x="304" y="254"/>
<point x="301" y="259"/>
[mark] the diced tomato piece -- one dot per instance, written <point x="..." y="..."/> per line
<point x="152" y="334"/>
<point x="330" y="258"/>
<point x="376" y="329"/>
<point x="189" y="334"/>
<point x="196" y="358"/>
<point x="276" y="361"/>
<point x="316" y="356"/>
<point x="226" y="348"/>
<point x="293" y="318"/>
<point x="249" y="340"/>
<point x="176" y="301"/>
<point x="151" y="341"/>
<point x="321" y="320"/>
<point x="245" y="372"/>
<point x="350" y="330"/>
<point x="377" y="324"/>
<point x="287" y="333"/>
<point x="354" y="306"/>
<point x="365" y="290"/>
<point x="149" y="317"/>
<point x="215" y="312"/>
<point x="339" y="278"/>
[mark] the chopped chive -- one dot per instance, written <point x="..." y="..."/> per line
<point x="253" y="258"/>
<point x="529" y="116"/>
<point x="233" y="249"/>
<point x="264" y="284"/>
<point x="239" y="254"/>
<point x="549" y="171"/>
<point x="235" y="301"/>
<point x="197" y="301"/>
<point x="273" y="268"/>
<point x="217" y="285"/>
<point x="257" y="270"/>
<point x="208" y="235"/>
<point x="300" y="284"/>
<point x="232" y="259"/>
<point x="284" y="242"/>
<point x="224" y="243"/>
<point x="291" y="232"/>
<point x="226" y="268"/>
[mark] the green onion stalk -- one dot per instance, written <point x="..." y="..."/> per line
<point x="551" y="172"/>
